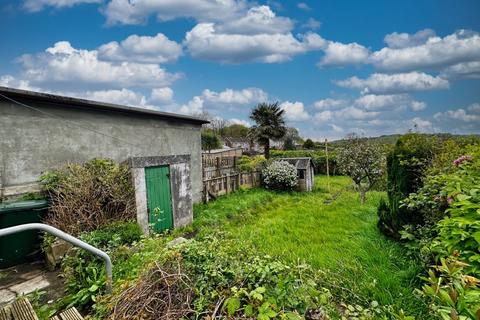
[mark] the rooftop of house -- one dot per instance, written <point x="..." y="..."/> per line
<point x="299" y="163"/>
<point x="26" y="97"/>
<point x="237" y="139"/>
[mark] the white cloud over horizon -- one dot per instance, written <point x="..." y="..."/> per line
<point x="64" y="64"/>
<point x="395" y="83"/>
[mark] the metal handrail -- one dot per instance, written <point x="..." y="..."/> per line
<point x="65" y="236"/>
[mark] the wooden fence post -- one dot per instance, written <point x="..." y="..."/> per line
<point x="219" y="164"/>
<point x="228" y="184"/>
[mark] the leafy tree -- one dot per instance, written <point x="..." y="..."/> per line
<point x="309" y="144"/>
<point x="363" y="161"/>
<point x="235" y="130"/>
<point x="269" y="124"/>
<point x="289" y="143"/>
<point x="291" y="137"/>
<point x="210" y="141"/>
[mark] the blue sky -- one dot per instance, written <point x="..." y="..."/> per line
<point x="371" y="67"/>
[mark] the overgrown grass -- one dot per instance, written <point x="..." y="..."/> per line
<point x="327" y="229"/>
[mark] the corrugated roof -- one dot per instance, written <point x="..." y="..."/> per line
<point x="299" y="163"/>
<point x="26" y="96"/>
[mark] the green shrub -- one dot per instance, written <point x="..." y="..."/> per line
<point x="406" y="166"/>
<point x="280" y="175"/>
<point x="449" y="204"/>
<point x="84" y="273"/>
<point x="245" y="284"/>
<point x="84" y="197"/>
<point x="248" y="164"/>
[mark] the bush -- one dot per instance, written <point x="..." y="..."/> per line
<point x="248" y="164"/>
<point x="86" y="197"/>
<point x="280" y="175"/>
<point x="449" y="204"/>
<point x="84" y="273"/>
<point x="406" y="166"/>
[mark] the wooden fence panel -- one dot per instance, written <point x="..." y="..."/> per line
<point x="217" y="186"/>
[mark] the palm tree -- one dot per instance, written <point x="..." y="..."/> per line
<point x="269" y="124"/>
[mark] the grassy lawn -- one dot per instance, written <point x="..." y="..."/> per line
<point x="328" y="229"/>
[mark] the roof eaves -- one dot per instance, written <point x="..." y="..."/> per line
<point x="97" y="105"/>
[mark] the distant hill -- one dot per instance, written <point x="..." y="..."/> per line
<point x="391" y="139"/>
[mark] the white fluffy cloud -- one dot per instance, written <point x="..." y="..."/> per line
<point x="456" y="55"/>
<point x="12" y="82"/>
<point x="392" y="83"/>
<point x="230" y="96"/>
<point x="330" y="103"/>
<point x="294" y="111"/>
<point x="355" y="113"/>
<point x="138" y="12"/>
<point x="391" y="101"/>
<point x="226" y="100"/>
<point x="162" y="95"/>
<point x="206" y="43"/>
<point x="405" y="40"/>
<point x="194" y="106"/>
<point x="434" y="53"/>
<point x="466" y="70"/>
<point x="421" y="125"/>
<point x="323" y="116"/>
<point x="472" y="114"/>
<point x="156" y="49"/>
<point x="303" y="6"/>
<point x="257" y="20"/>
<point x="123" y="97"/>
<point x="337" y="54"/>
<point x="64" y="64"/>
<point x="37" y="5"/>
<point x="312" y="23"/>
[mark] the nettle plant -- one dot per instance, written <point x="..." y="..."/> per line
<point x="280" y="175"/>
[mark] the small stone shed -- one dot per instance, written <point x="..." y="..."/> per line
<point x="40" y="131"/>
<point x="305" y="172"/>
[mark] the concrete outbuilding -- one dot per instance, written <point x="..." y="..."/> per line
<point x="40" y="131"/>
<point x="305" y="172"/>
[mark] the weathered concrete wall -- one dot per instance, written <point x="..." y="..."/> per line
<point x="181" y="198"/>
<point x="32" y="142"/>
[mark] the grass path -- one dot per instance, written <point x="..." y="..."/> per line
<point x="327" y="229"/>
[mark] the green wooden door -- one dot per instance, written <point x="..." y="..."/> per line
<point x="159" y="199"/>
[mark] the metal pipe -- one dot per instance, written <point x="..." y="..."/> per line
<point x="65" y="236"/>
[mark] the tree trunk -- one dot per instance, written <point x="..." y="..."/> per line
<point x="266" y="151"/>
<point x="363" y="196"/>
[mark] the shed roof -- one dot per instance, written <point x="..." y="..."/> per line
<point x="26" y="96"/>
<point x="299" y="163"/>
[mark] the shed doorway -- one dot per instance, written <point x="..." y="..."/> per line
<point x="159" y="198"/>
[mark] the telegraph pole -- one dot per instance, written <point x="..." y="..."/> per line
<point x="328" y="172"/>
